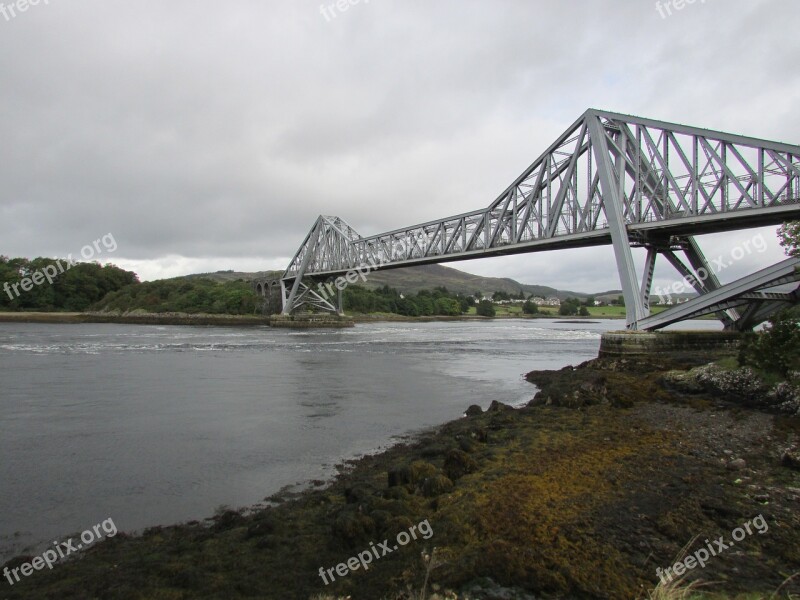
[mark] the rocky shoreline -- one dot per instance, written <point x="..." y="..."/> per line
<point x="609" y="472"/>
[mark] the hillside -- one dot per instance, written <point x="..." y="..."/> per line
<point x="410" y="280"/>
<point x="225" y="276"/>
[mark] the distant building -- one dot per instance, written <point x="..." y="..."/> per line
<point x="552" y="301"/>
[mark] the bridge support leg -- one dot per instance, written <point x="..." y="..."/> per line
<point x="647" y="277"/>
<point x="283" y="296"/>
<point x="698" y="261"/>
<point x="288" y="304"/>
<point x="703" y="279"/>
<point x="611" y="182"/>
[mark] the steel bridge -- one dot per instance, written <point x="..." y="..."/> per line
<point x="609" y="179"/>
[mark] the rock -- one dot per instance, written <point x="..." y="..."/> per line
<point x="458" y="463"/>
<point x="737" y="464"/>
<point x="395" y="525"/>
<point x="466" y="444"/>
<point x="480" y="435"/>
<point x="433" y="450"/>
<point x="381" y="518"/>
<point x="411" y="474"/>
<point x="496" y="406"/>
<point x="436" y="485"/>
<point x="791" y="458"/>
<point x="228" y="519"/>
<point x="573" y="388"/>
<point x="398" y="477"/>
<point x="682" y="381"/>
<point x="739" y="385"/>
<point x="419" y="470"/>
<point x="474" y="411"/>
<point x="786" y="397"/>
<point x="261" y="528"/>
<point x="487" y="589"/>
<point x="355" y="495"/>
<point x="351" y="526"/>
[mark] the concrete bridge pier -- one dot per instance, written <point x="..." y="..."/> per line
<point x="273" y="290"/>
<point x="692" y="346"/>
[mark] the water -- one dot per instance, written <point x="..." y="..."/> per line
<point x="157" y="425"/>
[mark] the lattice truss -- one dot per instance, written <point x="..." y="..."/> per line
<point x="609" y="178"/>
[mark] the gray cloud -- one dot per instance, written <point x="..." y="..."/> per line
<point x="209" y="136"/>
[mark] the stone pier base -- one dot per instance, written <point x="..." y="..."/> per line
<point x="672" y="344"/>
<point x="310" y="321"/>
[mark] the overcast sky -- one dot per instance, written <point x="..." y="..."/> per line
<point x="209" y="135"/>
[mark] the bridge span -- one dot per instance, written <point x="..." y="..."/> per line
<point x="609" y="179"/>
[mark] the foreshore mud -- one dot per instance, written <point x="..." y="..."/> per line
<point x="615" y="470"/>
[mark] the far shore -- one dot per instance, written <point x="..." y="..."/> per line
<point x="243" y="320"/>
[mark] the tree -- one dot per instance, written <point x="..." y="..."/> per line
<point x="448" y="306"/>
<point x="530" y="308"/>
<point x="569" y="307"/>
<point x="407" y="307"/>
<point x="777" y="348"/>
<point x="499" y="296"/>
<point x="589" y="301"/>
<point x="584" y="312"/>
<point x="789" y="235"/>
<point x="486" y="309"/>
<point x="425" y="304"/>
<point x="60" y="287"/>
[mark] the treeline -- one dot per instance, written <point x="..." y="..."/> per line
<point x="573" y="306"/>
<point x="186" y="296"/>
<point x="48" y="285"/>
<point x="425" y="303"/>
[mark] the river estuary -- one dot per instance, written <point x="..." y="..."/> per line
<point x="154" y="425"/>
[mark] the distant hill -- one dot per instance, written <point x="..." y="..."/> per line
<point x="413" y="279"/>
<point x="410" y="280"/>
<point x="223" y="276"/>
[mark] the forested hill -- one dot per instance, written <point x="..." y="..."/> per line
<point x="49" y="285"/>
<point x="410" y="280"/>
<point x="185" y="295"/>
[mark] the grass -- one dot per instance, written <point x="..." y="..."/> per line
<point x="515" y="310"/>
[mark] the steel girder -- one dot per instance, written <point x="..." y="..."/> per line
<point x="608" y="179"/>
<point x="751" y="292"/>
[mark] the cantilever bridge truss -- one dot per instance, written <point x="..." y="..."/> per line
<point x="610" y="179"/>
